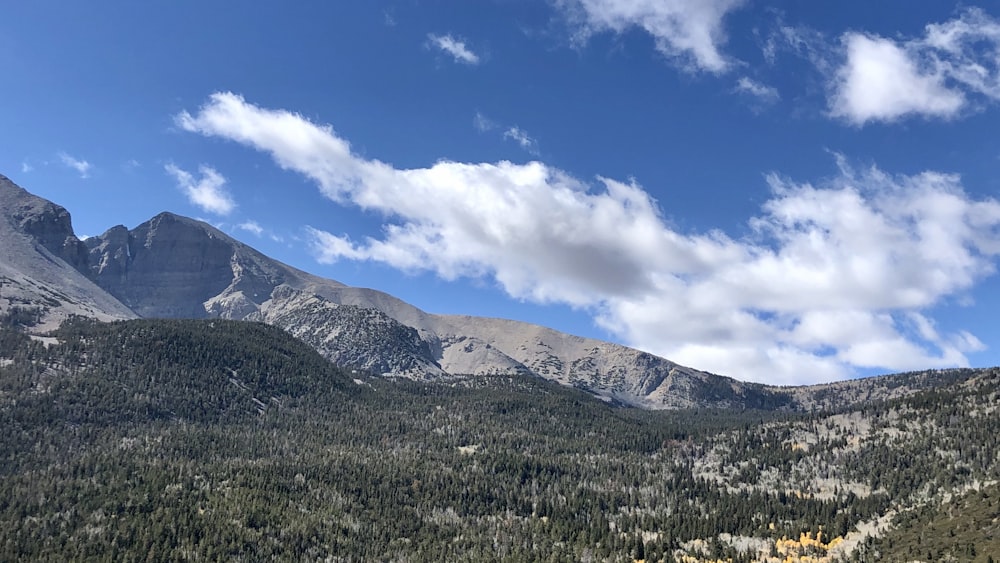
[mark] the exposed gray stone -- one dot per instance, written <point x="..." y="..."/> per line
<point x="41" y="262"/>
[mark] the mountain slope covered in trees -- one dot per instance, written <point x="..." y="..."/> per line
<point x="207" y="440"/>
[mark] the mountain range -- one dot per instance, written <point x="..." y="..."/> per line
<point x="176" y="267"/>
<point x="344" y="424"/>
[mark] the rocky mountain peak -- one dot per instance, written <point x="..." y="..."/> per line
<point x="42" y="265"/>
<point x="162" y="268"/>
<point x="50" y="225"/>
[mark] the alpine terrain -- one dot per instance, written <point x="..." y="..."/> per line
<point x="241" y="409"/>
<point x="176" y="267"/>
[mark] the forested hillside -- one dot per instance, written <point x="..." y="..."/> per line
<point x="220" y="440"/>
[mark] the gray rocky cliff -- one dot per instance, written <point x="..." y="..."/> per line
<point x="47" y="224"/>
<point x="42" y="264"/>
<point x="167" y="267"/>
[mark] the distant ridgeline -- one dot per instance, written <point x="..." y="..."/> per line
<point x="176" y="267"/>
<point x="166" y="440"/>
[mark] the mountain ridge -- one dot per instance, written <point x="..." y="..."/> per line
<point x="177" y="267"/>
<point x="172" y="266"/>
<point x="40" y="261"/>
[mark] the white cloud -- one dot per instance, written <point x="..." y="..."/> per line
<point x="880" y="81"/>
<point x="760" y="91"/>
<point x="454" y="47"/>
<point x="208" y="193"/>
<point x="521" y="137"/>
<point x="26" y="167"/>
<point x="689" y="31"/>
<point x="836" y="277"/>
<point x="932" y="76"/>
<point x="82" y="167"/>
<point x="251" y="227"/>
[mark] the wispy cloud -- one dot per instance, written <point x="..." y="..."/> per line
<point x="207" y="193"/>
<point x="762" y="92"/>
<point x="687" y="31"/>
<point x="521" y="137"/>
<point x="483" y="123"/>
<point x="251" y="227"/>
<point x="26" y="167"/>
<point x="454" y="47"/>
<point x="389" y="17"/>
<point x="836" y="277"/>
<point x="82" y="167"/>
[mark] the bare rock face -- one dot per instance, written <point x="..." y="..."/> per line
<point x="167" y="267"/>
<point x="40" y="265"/>
<point x="111" y="250"/>
<point x="175" y="267"/>
<point x="48" y="224"/>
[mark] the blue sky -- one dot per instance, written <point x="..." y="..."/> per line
<point x="784" y="192"/>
